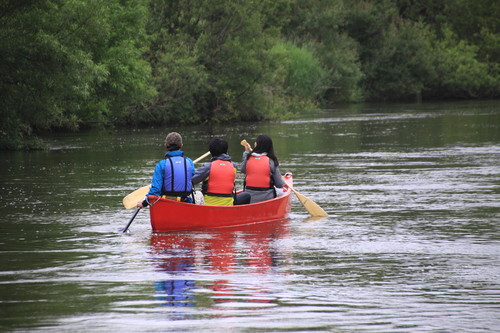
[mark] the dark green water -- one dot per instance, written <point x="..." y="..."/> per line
<point x="412" y="243"/>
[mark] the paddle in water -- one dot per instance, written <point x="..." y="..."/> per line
<point x="313" y="208"/>
<point x="131" y="219"/>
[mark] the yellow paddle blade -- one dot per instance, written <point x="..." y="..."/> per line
<point x="313" y="208"/>
<point x="131" y="200"/>
<point x="245" y="144"/>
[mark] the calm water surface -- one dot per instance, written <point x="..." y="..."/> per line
<point x="412" y="243"/>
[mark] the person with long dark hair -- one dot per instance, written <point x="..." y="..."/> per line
<point x="260" y="166"/>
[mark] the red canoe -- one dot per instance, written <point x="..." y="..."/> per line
<point x="169" y="215"/>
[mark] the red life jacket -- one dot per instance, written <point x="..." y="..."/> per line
<point x="221" y="179"/>
<point x="258" y="173"/>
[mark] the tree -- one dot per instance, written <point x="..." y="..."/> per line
<point x="68" y="62"/>
<point x="460" y="73"/>
<point x="319" y="26"/>
<point x="210" y="59"/>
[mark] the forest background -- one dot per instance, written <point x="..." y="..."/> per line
<point x="71" y="64"/>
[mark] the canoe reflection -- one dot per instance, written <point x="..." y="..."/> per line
<point x="250" y="249"/>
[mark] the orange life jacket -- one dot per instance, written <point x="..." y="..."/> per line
<point x="221" y="179"/>
<point x="258" y="173"/>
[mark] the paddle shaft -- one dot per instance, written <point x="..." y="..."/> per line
<point x="312" y="208"/>
<point x="201" y="157"/>
<point x="131" y="219"/>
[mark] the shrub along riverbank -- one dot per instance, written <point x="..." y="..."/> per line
<point x="71" y="62"/>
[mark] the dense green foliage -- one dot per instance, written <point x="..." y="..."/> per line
<point x="72" y="63"/>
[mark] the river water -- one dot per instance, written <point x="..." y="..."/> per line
<point x="411" y="244"/>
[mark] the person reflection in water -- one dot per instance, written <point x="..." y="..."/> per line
<point x="179" y="261"/>
<point x="218" y="251"/>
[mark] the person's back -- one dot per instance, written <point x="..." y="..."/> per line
<point x="172" y="175"/>
<point x="258" y="173"/>
<point x="260" y="166"/>
<point x="177" y="174"/>
<point x="218" y="176"/>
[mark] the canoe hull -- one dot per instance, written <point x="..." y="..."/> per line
<point x="169" y="215"/>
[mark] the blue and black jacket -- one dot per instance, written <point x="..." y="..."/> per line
<point x="172" y="175"/>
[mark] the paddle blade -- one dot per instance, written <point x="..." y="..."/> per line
<point x="130" y="201"/>
<point x="313" y="208"/>
<point x="245" y="144"/>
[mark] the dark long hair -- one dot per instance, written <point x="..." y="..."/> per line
<point x="265" y="145"/>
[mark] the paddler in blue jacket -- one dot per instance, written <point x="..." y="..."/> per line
<point x="172" y="176"/>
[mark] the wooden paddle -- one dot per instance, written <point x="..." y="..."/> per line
<point x="131" y="219"/>
<point x="245" y="144"/>
<point x="313" y="208"/>
<point x="130" y="201"/>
